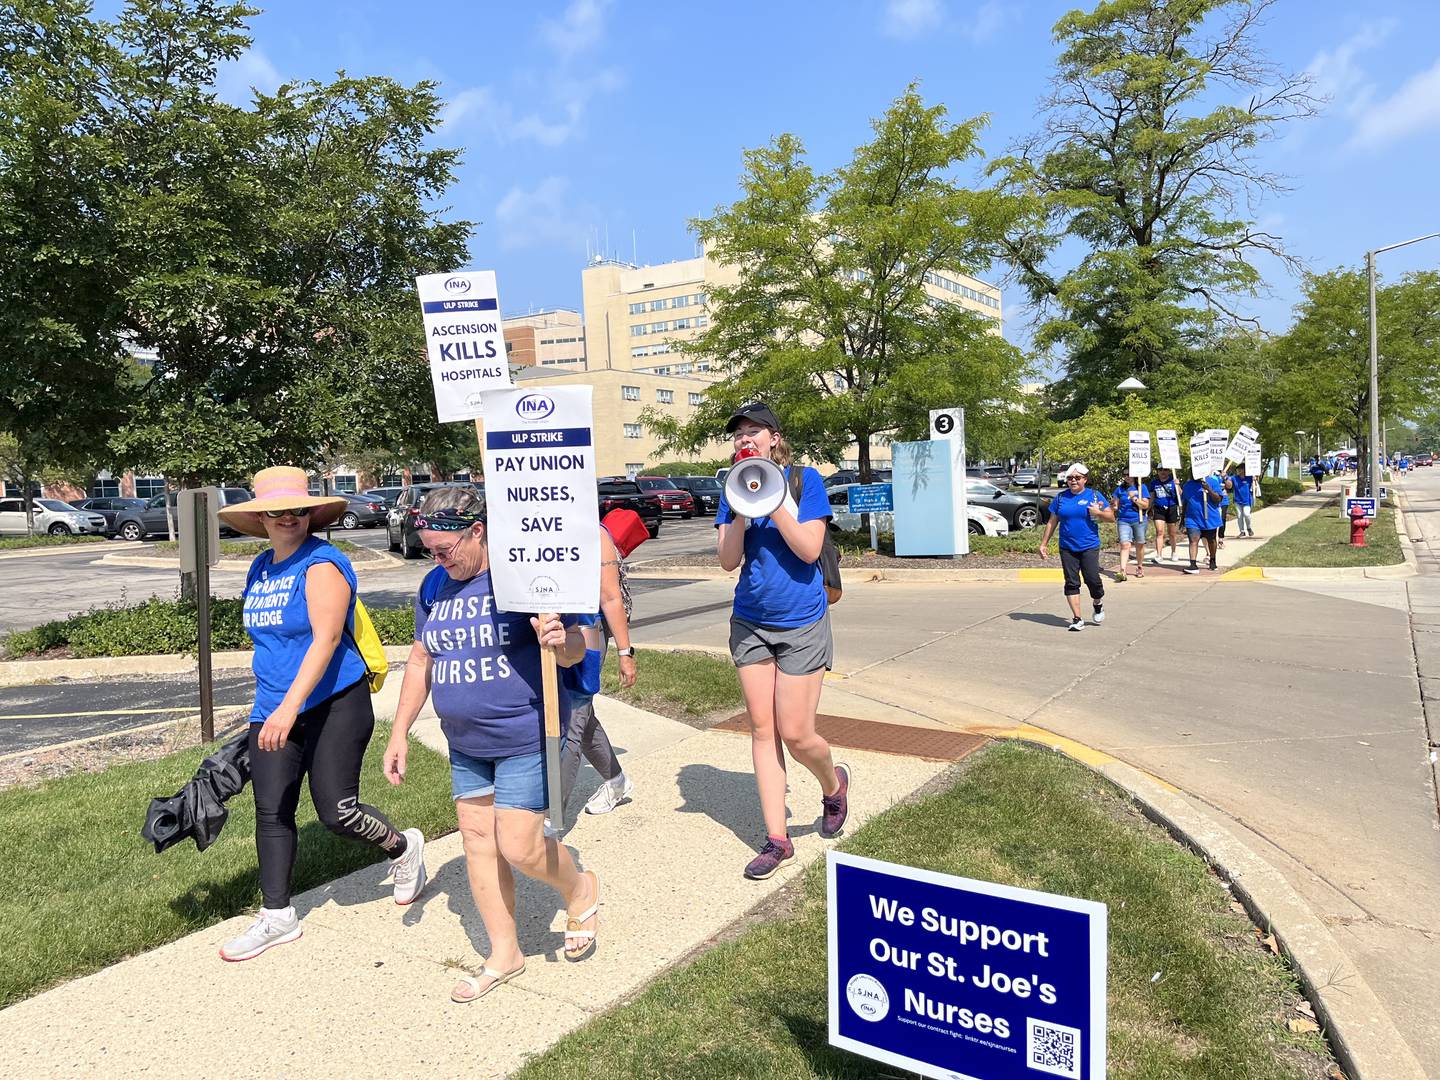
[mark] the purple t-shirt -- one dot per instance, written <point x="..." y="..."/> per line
<point x="485" y="679"/>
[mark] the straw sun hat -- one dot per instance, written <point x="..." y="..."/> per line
<point x="282" y="487"/>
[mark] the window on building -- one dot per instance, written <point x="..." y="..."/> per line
<point x="392" y="479"/>
<point x="637" y="309"/>
<point x="683" y="324"/>
<point x="701" y="320"/>
<point x="147" y="487"/>
<point x="105" y="489"/>
<point x="419" y="477"/>
<point x="665" y="397"/>
<point x="658" y="305"/>
<point x="345" y="484"/>
<point x="659" y="327"/>
<point x="703" y="365"/>
<point x="696" y="399"/>
<point x="630" y="393"/>
<point x="700" y="298"/>
<point x="634" y="468"/>
<point x="462" y="477"/>
<point x="638" y="330"/>
<point x="632" y="431"/>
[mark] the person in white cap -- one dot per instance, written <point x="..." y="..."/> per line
<point x="1077" y="512"/>
<point x="312" y="714"/>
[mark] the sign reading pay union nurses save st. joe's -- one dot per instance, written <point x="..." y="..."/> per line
<point x="463" y="339"/>
<point x="542" y="512"/>
<point x="962" y="979"/>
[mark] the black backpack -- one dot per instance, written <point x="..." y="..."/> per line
<point x="829" y="553"/>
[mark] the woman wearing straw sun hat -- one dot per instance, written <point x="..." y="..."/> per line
<point x="312" y="712"/>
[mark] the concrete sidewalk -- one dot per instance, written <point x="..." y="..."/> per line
<point x="365" y="992"/>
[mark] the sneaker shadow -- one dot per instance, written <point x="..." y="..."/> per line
<point x="729" y="799"/>
<point x="1037" y="617"/>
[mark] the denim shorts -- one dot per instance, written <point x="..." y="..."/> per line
<point x="1132" y="531"/>
<point x="518" y="783"/>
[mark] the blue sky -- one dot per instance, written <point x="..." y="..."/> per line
<point x="604" y="117"/>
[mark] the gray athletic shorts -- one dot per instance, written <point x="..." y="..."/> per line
<point x="796" y="650"/>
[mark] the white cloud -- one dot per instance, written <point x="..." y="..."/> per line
<point x="910" y="18"/>
<point x="1412" y="109"/>
<point x="539" y="217"/>
<point x="1338" y="76"/>
<point x="479" y="107"/>
<point x="988" y="21"/>
<point x="252" y="68"/>
<point x="578" y="29"/>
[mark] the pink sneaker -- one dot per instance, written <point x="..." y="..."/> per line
<point x="834" y="809"/>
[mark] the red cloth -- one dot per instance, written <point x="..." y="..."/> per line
<point x="626" y="529"/>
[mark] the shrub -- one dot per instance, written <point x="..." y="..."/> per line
<point x="12" y="543"/>
<point x="396" y="625"/>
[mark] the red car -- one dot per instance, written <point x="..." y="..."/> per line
<point x="673" y="500"/>
<point x="1424" y="459"/>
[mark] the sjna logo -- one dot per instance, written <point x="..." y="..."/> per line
<point x="867" y="998"/>
<point x="535" y="407"/>
<point x="457" y="286"/>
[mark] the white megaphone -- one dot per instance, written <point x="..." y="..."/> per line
<point x="755" y="486"/>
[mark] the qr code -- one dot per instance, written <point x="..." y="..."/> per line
<point x="1052" y="1048"/>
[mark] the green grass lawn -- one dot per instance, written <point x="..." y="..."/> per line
<point x="1191" y="993"/>
<point x="1323" y="539"/>
<point x="84" y="890"/>
<point x="16" y="543"/>
<point x="243" y="548"/>
<point x="680" y="685"/>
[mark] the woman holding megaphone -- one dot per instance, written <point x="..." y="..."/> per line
<point x="780" y="628"/>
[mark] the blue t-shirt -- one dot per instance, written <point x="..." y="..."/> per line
<point x="1244" y="493"/>
<point x="1127" y="510"/>
<point x="485" y="675"/>
<point x="582" y="680"/>
<point x="1200" y="512"/>
<point x="1164" y="495"/>
<point x="776" y="588"/>
<point x="277" y="617"/>
<point x="1078" y="530"/>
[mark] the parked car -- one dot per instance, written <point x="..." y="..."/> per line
<point x="53" y="516"/>
<point x="400" y="534"/>
<point x="387" y="495"/>
<point x="673" y="498"/>
<point x="150" y="519"/>
<point x="363" y="511"/>
<point x="705" y="490"/>
<point x="616" y="492"/>
<point x="982" y="520"/>
<point x="852" y="476"/>
<point x="1027" y="477"/>
<point x="998" y="475"/>
<point x="1021" y="509"/>
<point x="110" y="509"/>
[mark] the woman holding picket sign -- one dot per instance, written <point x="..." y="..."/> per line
<point x="780" y="636"/>
<point x="312" y="712"/>
<point x="484" y="667"/>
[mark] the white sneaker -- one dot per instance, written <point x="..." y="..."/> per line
<point x="1076" y="625"/>
<point x="610" y="794"/>
<point x="1099" y="616"/>
<point x="269" y="928"/>
<point x="409" y="869"/>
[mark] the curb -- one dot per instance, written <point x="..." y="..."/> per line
<point x="1040" y="575"/>
<point x="387" y="561"/>
<point x="1365" y="1039"/>
<point x="53" y="549"/>
<point x="32" y="672"/>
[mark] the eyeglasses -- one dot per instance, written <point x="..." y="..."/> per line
<point x="293" y="511"/>
<point x="447" y="553"/>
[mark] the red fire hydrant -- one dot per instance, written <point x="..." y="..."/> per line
<point x="1358" y="524"/>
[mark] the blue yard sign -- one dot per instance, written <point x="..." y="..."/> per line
<point x="1366" y="504"/>
<point x="871" y="498"/>
<point x="962" y="979"/>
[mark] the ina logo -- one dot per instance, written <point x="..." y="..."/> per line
<point x="543" y="588"/>
<point x="867" y="998"/>
<point x="457" y="286"/>
<point x="535" y="407"/>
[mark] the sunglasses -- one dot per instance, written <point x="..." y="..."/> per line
<point x="298" y="511"/>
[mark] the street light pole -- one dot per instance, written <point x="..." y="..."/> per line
<point x="1374" y="447"/>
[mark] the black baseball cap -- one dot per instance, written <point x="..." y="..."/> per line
<point x="757" y="411"/>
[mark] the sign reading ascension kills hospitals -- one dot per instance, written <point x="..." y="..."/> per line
<point x="961" y="979"/>
<point x="464" y="340"/>
<point x="541" y="508"/>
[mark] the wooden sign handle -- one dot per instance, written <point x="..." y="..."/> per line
<point x="550" y="688"/>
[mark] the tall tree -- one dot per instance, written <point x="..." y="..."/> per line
<point x="1323" y="379"/>
<point x="829" y="321"/>
<point x="1146" y="164"/>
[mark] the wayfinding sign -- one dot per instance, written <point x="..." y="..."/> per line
<point x="947" y="424"/>
<point x="463" y="339"/>
<point x="871" y="498"/>
<point x="961" y="979"/>
<point x="542" y="515"/>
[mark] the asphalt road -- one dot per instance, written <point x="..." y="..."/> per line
<point x="56" y="585"/>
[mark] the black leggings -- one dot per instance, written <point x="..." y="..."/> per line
<point x="328" y="742"/>
<point x="1076" y="564"/>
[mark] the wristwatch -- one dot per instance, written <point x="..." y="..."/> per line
<point x="625" y="652"/>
